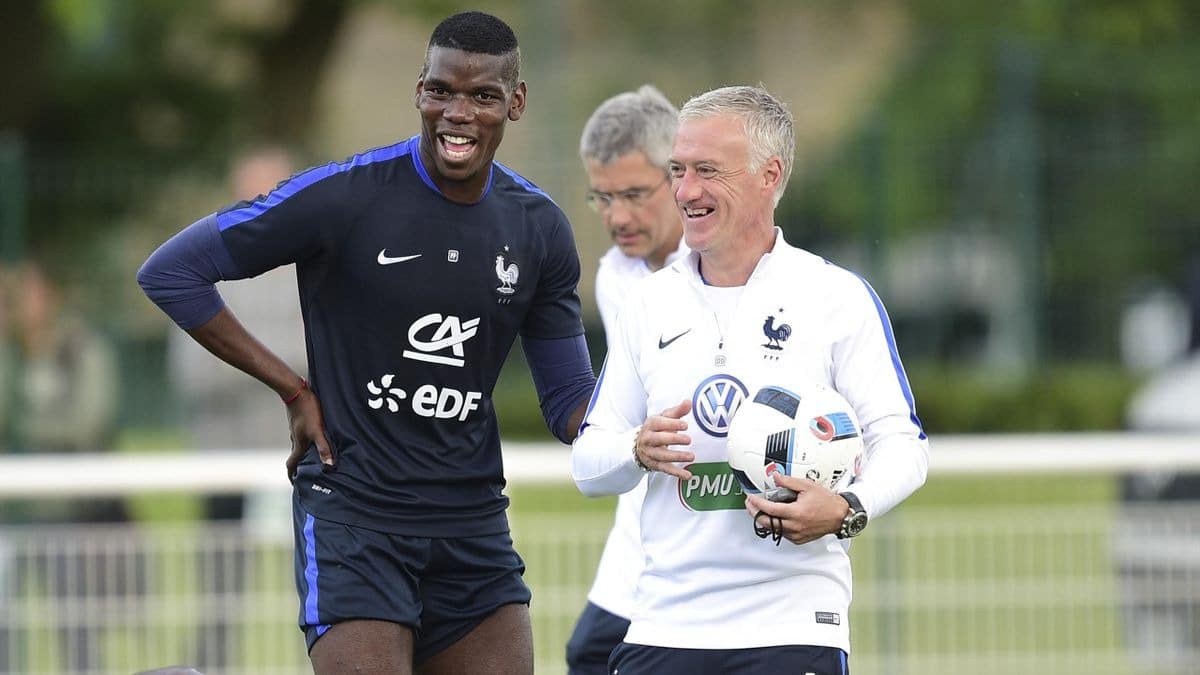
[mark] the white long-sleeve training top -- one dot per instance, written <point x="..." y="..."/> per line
<point x="708" y="581"/>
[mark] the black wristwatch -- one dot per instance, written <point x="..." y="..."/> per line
<point x="856" y="517"/>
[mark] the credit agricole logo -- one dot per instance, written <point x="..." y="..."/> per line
<point x="712" y="487"/>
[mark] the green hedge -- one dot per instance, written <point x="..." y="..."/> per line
<point x="1065" y="397"/>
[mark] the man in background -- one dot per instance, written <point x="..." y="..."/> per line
<point x="223" y="409"/>
<point x="624" y="148"/>
<point x="68" y="391"/>
<point x="60" y="396"/>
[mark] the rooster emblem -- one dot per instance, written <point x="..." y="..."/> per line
<point x="507" y="275"/>
<point x="775" y="335"/>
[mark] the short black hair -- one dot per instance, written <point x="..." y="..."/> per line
<point x="475" y="32"/>
<point x="478" y="33"/>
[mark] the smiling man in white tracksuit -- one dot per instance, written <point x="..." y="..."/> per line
<point x="694" y="340"/>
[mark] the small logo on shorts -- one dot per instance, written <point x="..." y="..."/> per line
<point x="831" y="618"/>
<point x="322" y="489"/>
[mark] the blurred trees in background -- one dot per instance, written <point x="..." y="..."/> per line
<point x="109" y="97"/>
<point x="1072" y="128"/>
<point x="1006" y="175"/>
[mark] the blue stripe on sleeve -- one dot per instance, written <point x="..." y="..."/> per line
<point x="304" y="179"/>
<point x="896" y="365"/>
<point x="523" y="182"/>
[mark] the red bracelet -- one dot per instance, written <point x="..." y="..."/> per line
<point x="292" y="399"/>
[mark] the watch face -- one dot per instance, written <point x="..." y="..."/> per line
<point x="856" y="524"/>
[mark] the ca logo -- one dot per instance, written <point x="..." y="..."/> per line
<point x="715" y="402"/>
<point x="448" y="336"/>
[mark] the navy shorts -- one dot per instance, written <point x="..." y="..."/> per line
<point x="631" y="659"/>
<point x="596" y="634"/>
<point x="440" y="588"/>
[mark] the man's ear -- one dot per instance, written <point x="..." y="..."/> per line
<point x="772" y="173"/>
<point x="516" y="107"/>
<point x="417" y="92"/>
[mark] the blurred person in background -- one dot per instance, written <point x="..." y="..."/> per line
<point x="69" y="388"/>
<point x="225" y="410"/>
<point x="419" y="264"/>
<point x="1157" y="544"/>
<point x="713" y="596"/>
<point x="63" y="394"/>
<point x="624" y="147"/>
<point x="1166" y="402"/>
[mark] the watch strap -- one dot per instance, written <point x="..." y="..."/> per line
<point x="855" y="520"/>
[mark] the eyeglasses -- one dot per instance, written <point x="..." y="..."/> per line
<point x="633" y="197"/>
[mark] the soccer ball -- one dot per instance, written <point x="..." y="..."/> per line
<point x="810" y="432"/>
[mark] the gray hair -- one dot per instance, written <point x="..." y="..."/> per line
<point x="642" y="120"/>
<point x="767" y="121"/>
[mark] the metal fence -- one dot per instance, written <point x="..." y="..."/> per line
<point x="1099" y="586"/>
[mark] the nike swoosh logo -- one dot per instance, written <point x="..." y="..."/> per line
<point x="385" y="260"/>
<point x="663" y="344"/>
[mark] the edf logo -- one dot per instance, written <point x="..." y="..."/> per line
<point x="715" y="402"/>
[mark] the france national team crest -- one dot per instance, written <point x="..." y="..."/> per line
<point x="715" y="402"/>
<point x="507" y="272"/>
<point x="777" y="333"/>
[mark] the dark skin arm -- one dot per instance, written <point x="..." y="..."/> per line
<point x="229" y="341"/>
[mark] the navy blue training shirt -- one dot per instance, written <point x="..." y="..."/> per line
<point x="411" y="304"/>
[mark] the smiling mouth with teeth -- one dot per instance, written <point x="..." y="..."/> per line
<point x="697" y="213"/>
<point x="456" y="147"/>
